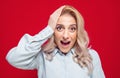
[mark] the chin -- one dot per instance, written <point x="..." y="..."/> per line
<point x="65" y="51"/>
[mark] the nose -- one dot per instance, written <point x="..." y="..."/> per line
<point x="66" y="35"/>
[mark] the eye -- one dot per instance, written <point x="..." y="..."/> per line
<point x="59" y="27"/>
<point x="72" y="29"/>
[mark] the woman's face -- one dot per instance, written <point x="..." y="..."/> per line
<point x="65" y="33"/>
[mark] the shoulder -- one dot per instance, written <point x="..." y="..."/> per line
<point x="93" y="53"/>
<point x="95" y="57"/>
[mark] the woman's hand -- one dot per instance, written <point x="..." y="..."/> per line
<point x="54" y="17"/>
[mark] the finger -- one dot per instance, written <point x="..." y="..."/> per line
<point x="58" y="11"/>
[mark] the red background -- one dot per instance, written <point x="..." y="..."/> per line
<point x="24" y="16"/>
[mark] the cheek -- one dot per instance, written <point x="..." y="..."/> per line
<point x="74" y="36"/>
<point x="74" y="39"/>
<point x="57" y="36"/>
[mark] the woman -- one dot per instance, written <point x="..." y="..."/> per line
<point x="66" y="53"/>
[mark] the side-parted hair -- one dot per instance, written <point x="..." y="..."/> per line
<point x="81" y="55"/>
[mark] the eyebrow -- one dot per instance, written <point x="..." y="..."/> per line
<point x="73" y="25"/>
<point x="70" y="24"/>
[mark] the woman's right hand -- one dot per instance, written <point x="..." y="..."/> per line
<point x="54" y="17"/>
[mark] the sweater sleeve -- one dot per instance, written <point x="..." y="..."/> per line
<point x="24" y="55"/>
<point x="97" y="66"/>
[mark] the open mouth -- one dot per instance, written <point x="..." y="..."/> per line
<point x="65" y="42"/>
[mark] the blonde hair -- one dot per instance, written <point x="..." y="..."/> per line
<point x="81" y="55"/>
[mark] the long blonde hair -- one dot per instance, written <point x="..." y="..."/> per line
<point x="81" y="55"/>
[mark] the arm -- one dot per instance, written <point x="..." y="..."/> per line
<point x="97" y="67"/>
<point x="24" y="55"/>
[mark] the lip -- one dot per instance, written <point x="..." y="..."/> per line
<point x="65" y="43"/>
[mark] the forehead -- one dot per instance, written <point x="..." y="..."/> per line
<point x="66" y="18"/>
